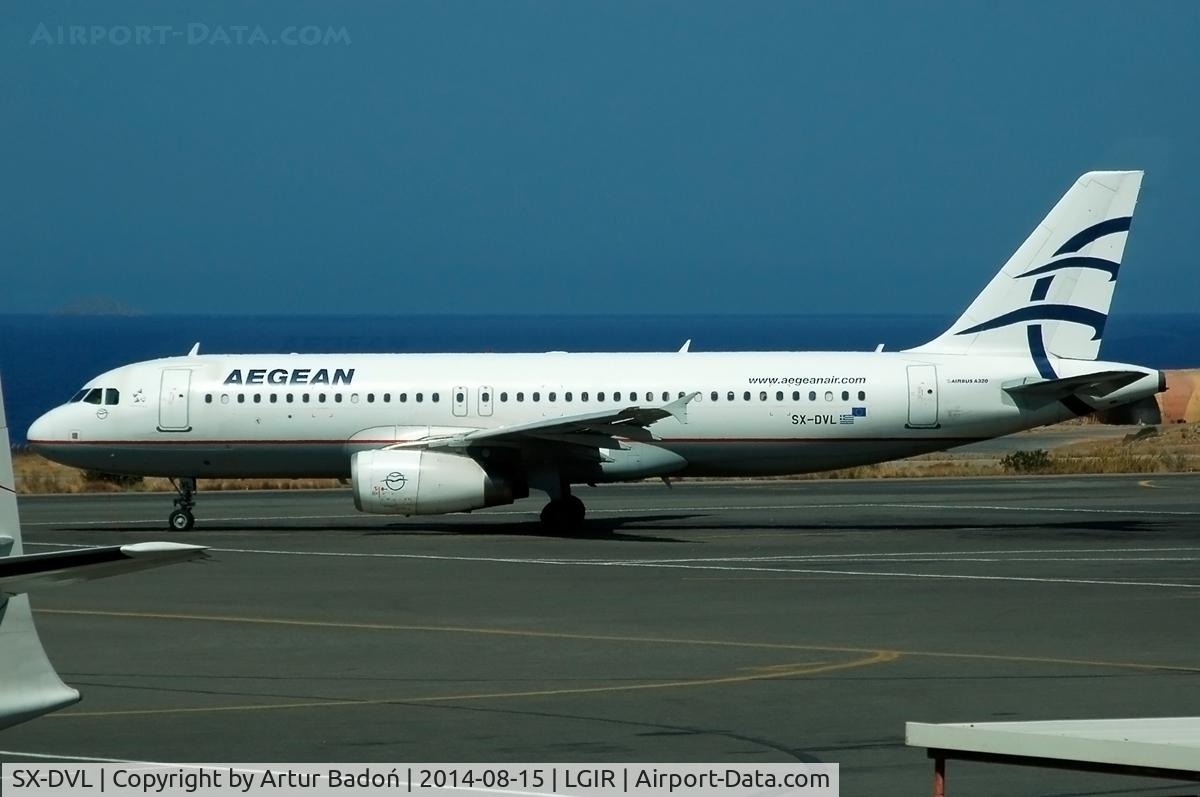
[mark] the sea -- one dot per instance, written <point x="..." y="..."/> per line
<point x="44" y="359"/>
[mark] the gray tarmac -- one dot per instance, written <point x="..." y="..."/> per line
<point x="723" y="621"/>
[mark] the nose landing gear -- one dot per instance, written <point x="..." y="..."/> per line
<point x="181" y="519"/>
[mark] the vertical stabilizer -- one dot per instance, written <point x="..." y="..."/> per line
<point x="1053" y="294"/>
<point x="30" y="686"/>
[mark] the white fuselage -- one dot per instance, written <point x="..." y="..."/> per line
<point x="304" y="415"/>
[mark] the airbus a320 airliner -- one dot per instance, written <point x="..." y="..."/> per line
<point x="421" y="434"/>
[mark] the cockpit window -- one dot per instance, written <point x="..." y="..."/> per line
<point x="93" y="396"/>
<point x="78" y="396"/>
<point x="112" y="396"/>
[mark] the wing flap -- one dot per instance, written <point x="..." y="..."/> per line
<point x="599" y="429"/>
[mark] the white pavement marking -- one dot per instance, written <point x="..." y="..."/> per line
<point x="895" y="555"/>
<point x="100" y="760"/>
<point x="703" y="564"/>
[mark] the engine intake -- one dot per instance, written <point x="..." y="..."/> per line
<point x="417" y="482"/>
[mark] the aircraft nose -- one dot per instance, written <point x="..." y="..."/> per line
<point x="42" y="430"/>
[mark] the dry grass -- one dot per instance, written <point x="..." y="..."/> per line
<point x="1174" y="449"/>
<point x="1149" y="449"/>
<point x="35" y="474"/>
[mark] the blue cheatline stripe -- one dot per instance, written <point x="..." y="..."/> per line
<point x="1046" y="312"/>
<point x="1040" y="289"/>
<point x="1079" y="261"/>
<point x="1082" y="239"/>
<point x="1037" y="348"/>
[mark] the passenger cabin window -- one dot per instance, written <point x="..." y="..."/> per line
<point x="795" y="395"/>
<point x="583" y="396"/>
<point x="289" y="398"/>
<point x="435" y="398"/>
<point x="829" y="395"/>
<point x="208" y="398"/>
<point x="730" y="396"/>
<point x="862" y="396"/>
<point x="552" y="395"/>
<point x="419" y="397"/>
<point x="337" y="397"/>
<point x="746" y="396"/>
<point x="537" y="396"/>
<point x="567" y="396"/>
<point x="762" y="395"/>
<point x="779" y="395"/>
<point x="403" y="398"/>
<point x="617" y="395"/>
<point x="274" y="398"/>
<point x="812" y="395"/>
<point x="306" y="398"/>
<point x="93" y="396"/>
<point x="600" y="396"/>
<point x="258" y="398"/>
<point x="713" y="395"/>
<point x="387" y="398"/>
<point x="503" y="397"/>
<point x="845" y="395"/>
<point x="370" y="398"/>
<point x="520" y="396"/>
<point x="241" y="398"/>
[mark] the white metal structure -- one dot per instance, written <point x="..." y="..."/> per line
<point x="1167" y="747"/>
<point x="428" y="433"/>
<point x="29" y="686"/>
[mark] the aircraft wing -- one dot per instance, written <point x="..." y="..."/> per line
<point x="21" y="574"/>
<point x="1098" y="384"/>
<point x="592" y="429"/>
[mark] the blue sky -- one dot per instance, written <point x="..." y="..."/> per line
<point x="571" y="157"/>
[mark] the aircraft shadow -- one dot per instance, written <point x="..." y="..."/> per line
<point x="616" y="529"/>
<point x="607" y="529"/>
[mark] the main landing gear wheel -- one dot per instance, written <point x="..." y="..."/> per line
<point x="182" y="519"/>
<point x="563" y="514"/>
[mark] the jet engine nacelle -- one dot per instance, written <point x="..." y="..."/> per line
<point x="417" y="482"/>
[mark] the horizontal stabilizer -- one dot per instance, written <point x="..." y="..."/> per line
<point x="1095" y="385"/>
<point x="21" y="574"/>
